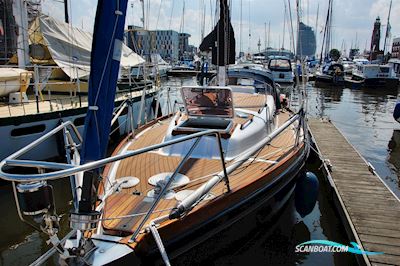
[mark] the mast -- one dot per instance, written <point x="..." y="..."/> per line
<point x="249" y="27"/>
<point x="299" y="44"/>
<point x="356" y="44"/>
<point x="172" y="12"/>
<point x="284" y="30"/>
<point x="324" y="38"/>
<point x="316" y="27"/>
<point x="181" y="31"/>
<point x="66" y="11"/>
<point x="221" y="41"/>
<point x="241" y="26"/>
<point x="105" y="59"/>
<point x="203" y="19"/>
<point x="329" y="35"/>
<point x="291" y="30"/>
<point x="21" y="18"/>
<point x="142" y="19"/>
<point x="269" y="31"/>
<point x="387" y="29"/>
<point x="292" y="39"/>
<point x="265" y="36"/>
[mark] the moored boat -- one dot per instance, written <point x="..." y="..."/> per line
<point x="331" y="74"/>
<point x="395" y="64"/>
<point x="281" y="68"/>
<point x="374" y="75"/>
<point x="230" y="150"/>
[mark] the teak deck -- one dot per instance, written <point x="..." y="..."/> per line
<point x="372" y="210"/>
<point x="143" y="166"/>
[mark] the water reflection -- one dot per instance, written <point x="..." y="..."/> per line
<point x="20" y="244"/>
<point x="365" y="118"/>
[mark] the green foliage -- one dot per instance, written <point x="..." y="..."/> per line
<point x="334" y="54"/>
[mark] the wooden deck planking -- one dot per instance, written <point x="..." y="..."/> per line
<point x="146" y="165"/>
<point x="244" y="99"/>
<point x="374" y="211"/>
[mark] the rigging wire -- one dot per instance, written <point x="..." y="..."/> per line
<point x="284" y="24"/>
<point x="241" y="27"/>
<point x="159" y="12"/>
<point x="172" y="13"/>
<point x="249" y="27"/>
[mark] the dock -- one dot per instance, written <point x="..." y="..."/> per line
<point x="369" y="209"/>
<point x="57" y="103"/>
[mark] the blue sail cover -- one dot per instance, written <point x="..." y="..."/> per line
<point x="104" y="65"/>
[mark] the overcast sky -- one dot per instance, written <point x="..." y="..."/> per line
<point x="352" y="19"/>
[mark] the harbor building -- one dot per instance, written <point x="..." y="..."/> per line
<point x="396" y="48"/>
<point x="170" y="44"/>
<point x="307" y="40"/>
<point x="183" y="45"/>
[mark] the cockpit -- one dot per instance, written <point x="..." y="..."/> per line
<point x="206" y="108"/>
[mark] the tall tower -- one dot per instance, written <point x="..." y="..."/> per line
<point x="376" y="35"/>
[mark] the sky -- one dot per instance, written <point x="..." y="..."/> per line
<point x="352" y="19"/>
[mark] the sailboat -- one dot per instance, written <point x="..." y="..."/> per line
<point x="231" y="150"/>
<point x="331" y="72"/>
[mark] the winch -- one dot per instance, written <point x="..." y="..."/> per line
<point x="35" y="198"/>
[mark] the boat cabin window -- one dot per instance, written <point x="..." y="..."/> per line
<point x="279" y="64"/>
<point x="207" y="108"/>
<point x="384" y="69"/>
<point x="208" y="101"/>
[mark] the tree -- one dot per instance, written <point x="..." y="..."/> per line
<point x="334" y="54"/>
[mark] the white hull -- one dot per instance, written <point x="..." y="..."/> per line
<point x="283" y="77"/>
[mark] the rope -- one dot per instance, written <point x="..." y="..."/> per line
<point x="159" y="243"/>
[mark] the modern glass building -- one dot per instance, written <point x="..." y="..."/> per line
<point x="306" y="43"/>
<point x="170" y="44"/>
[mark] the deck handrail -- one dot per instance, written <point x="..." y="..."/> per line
<point x="66" y="170"/>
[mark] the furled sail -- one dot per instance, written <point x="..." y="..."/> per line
<point x="104" y="65"/>
<point x="222" y="35"/>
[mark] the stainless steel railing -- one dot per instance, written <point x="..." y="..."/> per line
<point x="65" y="170"/>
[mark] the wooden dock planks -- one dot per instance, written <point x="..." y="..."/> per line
<point x="57" y="103"/>
<point x="373" y="210"/>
